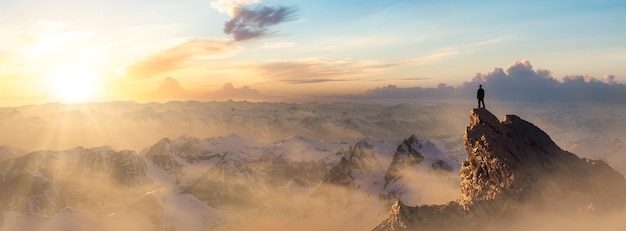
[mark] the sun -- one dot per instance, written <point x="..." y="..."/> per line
<point x="73" y="83"/>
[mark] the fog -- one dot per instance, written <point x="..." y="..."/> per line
<point x="125" y="125"/>
<point x="537" y="220"/>
<point x="271" y="175"/>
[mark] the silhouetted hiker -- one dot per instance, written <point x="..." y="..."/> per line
<point x="481" y="96"/>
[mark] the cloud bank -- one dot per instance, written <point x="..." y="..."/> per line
<point x="230" y="92"/>
<point x="517" y="83"/>
<point x="170" y="89"/>
<point x="250" y="20"/>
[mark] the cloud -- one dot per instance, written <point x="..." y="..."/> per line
<point x="315" y="70"/>
<point x="436" y="56"/>
<point x="402" y="79"/>
<point x="441" y="55"/>
<point x="304" y="81"/>
<point x="230" y="6"/>
<point x="170" y="89"/>
<point x="230" y="92"/>
<point x="312" y="71"/>
<point x="607" y="79"/>
<point x="178" y="57"/>
<point x="394" y="92"/>
<point x="520" y="82"/>
<point x="251" y="20"/>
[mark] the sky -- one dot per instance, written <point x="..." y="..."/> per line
<point x="160" y="50"/>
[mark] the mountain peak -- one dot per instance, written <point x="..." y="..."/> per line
<point x="233" y="136"/>
<point x="362" y="144"/>
<point x="480" y="116"/>
<point x="517" y="160"/>
<point x="513" y="166"/>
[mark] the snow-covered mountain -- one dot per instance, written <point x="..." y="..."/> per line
<point x="340" y="168"/>
<point x="42" y="182"/>
<point x="190" y="183"/>
<point x="419" y="162"/>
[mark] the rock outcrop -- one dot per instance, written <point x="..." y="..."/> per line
<point x="513" y="166"/>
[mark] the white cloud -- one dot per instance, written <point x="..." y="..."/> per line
<point x="230" y="6"/>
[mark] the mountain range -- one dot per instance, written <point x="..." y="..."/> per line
<point x="190" y="183"/>
<point x="494" y="173"/>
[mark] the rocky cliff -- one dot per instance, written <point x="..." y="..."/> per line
<point x="512" y="167"/>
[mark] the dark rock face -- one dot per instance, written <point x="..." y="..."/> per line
<point x="514" y="161"/>
<point x="341" y="181"/>
<point x="424" y="217"/>
<point x="358" y="158"/>
<point x="406" y="156"/>
<point x="514" y="166"/>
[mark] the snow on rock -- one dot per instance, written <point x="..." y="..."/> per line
<point x="372" y="170"/>
<point x="192" y="183"/>
<point x="419" y="162"/>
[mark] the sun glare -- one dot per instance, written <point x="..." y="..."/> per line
<point x="73" y="83"/>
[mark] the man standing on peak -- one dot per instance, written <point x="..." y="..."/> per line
<point x="481" y="96"/>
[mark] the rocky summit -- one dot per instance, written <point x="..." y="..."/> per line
<point x="513" y="167"/>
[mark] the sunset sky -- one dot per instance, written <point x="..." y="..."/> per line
<point x="157" y="50"/>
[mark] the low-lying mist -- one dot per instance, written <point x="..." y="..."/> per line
<point x="256" y="185"/>
<point x="249" y="187"/>
<point x="136" y="126"/>
<point x="584" y="221"/>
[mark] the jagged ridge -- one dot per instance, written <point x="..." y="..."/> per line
<point x="512" y="165"/>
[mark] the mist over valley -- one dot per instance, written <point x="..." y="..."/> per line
<point x="238" y="165"/>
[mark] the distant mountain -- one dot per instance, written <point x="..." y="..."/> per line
<point x="179" y="182"/>
<point x="127" y="125"/>
<point x="43" y="182"/>
<point x="514" y="167"/>
<point x="361" y="183"/>
<point x="414" y="153"/>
